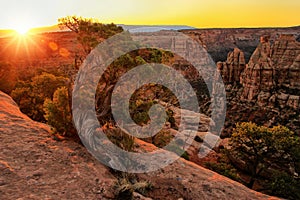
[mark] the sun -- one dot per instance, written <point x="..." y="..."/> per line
<point x="22" y="38"/>
<point x="21" y="27"/>
<point x="22" y="30"/>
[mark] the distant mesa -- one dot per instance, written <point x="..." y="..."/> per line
<point x="153" y="28"/>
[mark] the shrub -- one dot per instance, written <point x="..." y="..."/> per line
<point x="180" y="152"/>
<point x="224" y="169"/>
<point x="284" y="185"/>
<point x="127" y="184"/>
<point x="8" y="77"/>
<point x="120" y="138"/>
<point x="30" y="95"/>
<point x="262" y="148"/>
<point x="58" y="112"/>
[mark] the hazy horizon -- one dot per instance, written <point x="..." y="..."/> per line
<point x="56" y="28"/>
<point x="195" y="13"/>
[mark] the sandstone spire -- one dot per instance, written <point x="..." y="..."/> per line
<point x="272" y="74"/>
<point x="259" y="73"/>
<point x="233" y="67"/>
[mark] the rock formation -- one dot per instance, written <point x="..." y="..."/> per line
<point x="286" y="58"/>
<point x="35" y="166"/>
<point x="233" y="67"/>
<point x="259" y="73"/>
<point x="269" y="93"/>
<point x="272" y="75"/>
<point x="271" y="78"/>
<point x="220" y="41"/>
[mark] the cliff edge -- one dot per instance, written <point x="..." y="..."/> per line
<point x="35" y="166"/>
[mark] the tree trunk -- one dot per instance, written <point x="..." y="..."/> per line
<point x="253" y="175"/>
<point x="251" y="183"/>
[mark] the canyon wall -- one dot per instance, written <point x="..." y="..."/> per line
<point x="220" y="41"/>
<point x="272" y="75"/>
<point x="268" y="88"/>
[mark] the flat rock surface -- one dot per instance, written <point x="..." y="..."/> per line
<point x="186" y="180"/>
<point x="35" y="166"/>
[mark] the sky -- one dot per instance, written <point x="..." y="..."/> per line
<point x="196" y="13"/>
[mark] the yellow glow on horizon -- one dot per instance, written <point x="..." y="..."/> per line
<point x="196" y="13"/>
<point x="22" y="30"/>
<point x="21" y="27"/>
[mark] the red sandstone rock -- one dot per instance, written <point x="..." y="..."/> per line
<point x="34" y="166"/>
<point x="274" y="67"/>
<point x="233" y="67"/>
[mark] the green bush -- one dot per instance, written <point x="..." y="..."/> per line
<point x="30" y="95"/>
<point x="8" y="77"/>
<point x="262" y="148"/>
<point x="179" y="151"/>
<point x="224" y="169"/>
<point x="120" y="138"/>
<point x="284" y="185"/>
<point x="58" y="112"/>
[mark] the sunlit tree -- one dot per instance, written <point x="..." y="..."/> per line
<point x="30" y="95"/>
<point x="90" y="32"/>
<point x="259" y="148"/>
<point x="58" y="113"/>
<point x="8" y="77"/>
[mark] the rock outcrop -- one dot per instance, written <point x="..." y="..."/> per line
<point x="186" y="180"/>
<point x="269" y="93"/>
<point x="286" y="58"/>
<point x="259" y="73"/>
<point x="233" y="67"/>
<point x="35" y="166"/>
<point x="220" y="41"/>
<point x="272" y="75"/>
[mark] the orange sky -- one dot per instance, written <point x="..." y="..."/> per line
<point x="17" y="14"/>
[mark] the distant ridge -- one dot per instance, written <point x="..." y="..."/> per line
<point x="131" y="28"/>
<point x="153" y="28"/>
<point x="142" y="28"/>
<point x="53" y="28"/>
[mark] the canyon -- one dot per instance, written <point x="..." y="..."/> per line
<point x="268" y="84"/>
<point x="260" y="69"/>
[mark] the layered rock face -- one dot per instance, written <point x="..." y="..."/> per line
<point x="272" y="75"/>
<point x="269" y="89"/>
<point x="259" y="73"/>
<point x="233" y="67"/>
<point x="220" y="41"/>
<point x="286" y="58"/>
